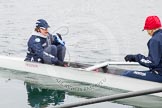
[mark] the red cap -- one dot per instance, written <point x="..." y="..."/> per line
<point x="152" y="22"/>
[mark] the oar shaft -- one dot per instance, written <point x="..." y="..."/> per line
<point x="96" y="66"/>
<point x="112" y="98"/>
<point x="109" y="63"/>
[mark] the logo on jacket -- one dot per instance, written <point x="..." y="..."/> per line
<point x="37" y="40"/>
<point x="145" y="61"/>
<point x="45" y="44"/>
<point x="139" y="73"/>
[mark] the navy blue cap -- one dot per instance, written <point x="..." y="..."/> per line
<point x="42" y="24"/>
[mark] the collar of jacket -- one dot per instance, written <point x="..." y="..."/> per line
<point x="38" y="34"/>
<point x="160" y="30"/>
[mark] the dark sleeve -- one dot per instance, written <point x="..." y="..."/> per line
<point x="35" y="45"/>
<point x="154" y="55"/>
<point x="55" y="42"/>
<point x="37" y="48"/>
<point x="39" y="51"/>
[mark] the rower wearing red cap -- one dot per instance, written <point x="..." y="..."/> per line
<point x="154" y="59"/>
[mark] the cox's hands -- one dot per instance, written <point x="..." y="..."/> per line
<point x="130" y="58"/>
<point x="59" y="39"/>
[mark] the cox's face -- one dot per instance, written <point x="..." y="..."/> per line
<point x="150" y="32"/>
<point x="44" y="31"/>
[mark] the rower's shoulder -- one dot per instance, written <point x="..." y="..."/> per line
<point x="157" y="37"/>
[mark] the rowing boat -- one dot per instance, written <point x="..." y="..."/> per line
<point x="98" y="79"/>
<point x="77" y="74"/>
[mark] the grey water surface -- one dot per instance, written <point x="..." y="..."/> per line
<point x="96" y="31"/>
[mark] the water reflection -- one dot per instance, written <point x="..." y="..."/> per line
<point x="42" y="98"/>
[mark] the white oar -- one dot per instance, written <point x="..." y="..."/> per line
<point x="109" y="63"/>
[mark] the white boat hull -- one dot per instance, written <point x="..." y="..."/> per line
<point x="74" y="74"/>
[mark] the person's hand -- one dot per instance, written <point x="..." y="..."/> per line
<point x="59" y="35"/>
<point x="130" y="58"/>
<point x="60" y="63"/>
<point x="59" y="39"/>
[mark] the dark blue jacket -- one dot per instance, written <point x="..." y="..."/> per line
<point x="36" y="45"/>
<point x="154" y="59"/>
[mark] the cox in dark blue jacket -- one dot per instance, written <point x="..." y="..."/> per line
<point x="46" y="49"/>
